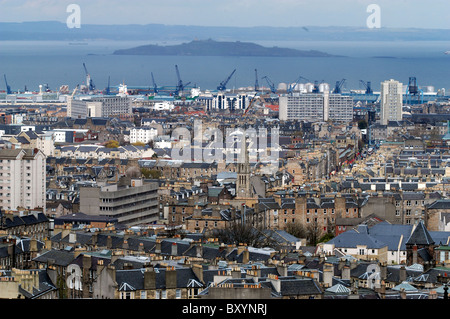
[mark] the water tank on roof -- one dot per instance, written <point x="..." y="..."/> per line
<point x="282" y="86"/>
<point x="324" y="87"/>
<point x="301" y="87"/>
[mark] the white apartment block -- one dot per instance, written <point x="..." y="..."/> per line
<point x="225" y="101"/>
<point x="316" y="107"/>
<point x="391" y="101"/>
<point x="22" y="179"/>
<point x="99" y="106"/>
<point x="143" y="134"/>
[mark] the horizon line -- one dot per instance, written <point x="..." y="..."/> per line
<point x="228" y="26"/>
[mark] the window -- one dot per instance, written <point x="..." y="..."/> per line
<point x="143" y="294"/>
<point x="178" y="294"/>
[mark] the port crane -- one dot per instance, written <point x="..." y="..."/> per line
<point x="413" y="90"/>
<point x="155" y="87"/>
<point x="292" y="85"/>
<point x="250" y="104"/>
<point x="256" y="81"/>
<point x="108" y="88"/>
<point x="367" y="85"/>
<point x="222" y="85"/>
<point x="180" y="86"/>
<point x="8" y="88"/>
<point x="90" y="84"/>
<point x="338" y="86"/>
<point x="74" y="91"/>
<point x="270" y="83"/>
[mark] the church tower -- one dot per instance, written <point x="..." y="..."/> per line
<point x="243" y="188"/>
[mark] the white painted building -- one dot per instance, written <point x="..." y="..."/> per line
<point x="391" y="101"/>
<point x="143" y="134"/>
<point x="22" y="179"/>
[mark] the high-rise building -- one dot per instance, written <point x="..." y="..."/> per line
<point x="316" y="107"/>
<point x="22" y="179"/>
<point x="391" y="94"/>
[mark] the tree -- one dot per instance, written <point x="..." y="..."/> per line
<point x="150" y="173"/>
<point x="296" y="229"/>
<point x="313" y="232"/>
<point x="138" y="143"/>
<point x="112" y="144"/>
<point x="362" y="124"/>
<point x="242" y="233"/>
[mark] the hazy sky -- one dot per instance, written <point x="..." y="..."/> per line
<point x="247" y="13"/>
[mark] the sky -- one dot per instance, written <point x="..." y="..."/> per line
<point x="433" y="14"/>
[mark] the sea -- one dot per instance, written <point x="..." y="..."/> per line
<point x="28" y="64"/>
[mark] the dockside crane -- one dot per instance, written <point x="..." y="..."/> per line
<point x="222" y="85"/>
<point x="292" y="86"/>
<point x="155" y="87"/>
<point x="256" y="81"/>
<point x="367" y="85"/>
<point x="180" y="86"/>
<point x="270" y="83"/>
<point x="250" y="104"/>
<point x="8" y="88"/>
<point x="89" y="82"/>
<point x="74" y="91"/>
<point x="108" y="88"/>
<point x="338" y="86"/>
<point x="414" y="90"/>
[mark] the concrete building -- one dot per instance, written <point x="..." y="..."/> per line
<point x="316" y="107"/>
<point x="98" y="106"/>
<point x="22" y="176"/>
<point x="132" y="202"/>
<point x="391" y="101"/>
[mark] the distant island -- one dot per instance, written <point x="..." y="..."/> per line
<point x="216" y="48"/>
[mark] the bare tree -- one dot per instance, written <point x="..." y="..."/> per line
<point x="296" y="229"/>
<point x="237" y="233"/>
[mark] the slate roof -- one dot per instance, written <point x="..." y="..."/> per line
<point x="354" y="237"/>
<point x="420" y="236"/>
<point x="45" y="286"/>
<point x="133" y="279"/>
<point x="440" y="204"/>
<point x="56" y="257"/>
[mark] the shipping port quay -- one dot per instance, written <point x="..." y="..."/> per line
<point x="413" y="94"/>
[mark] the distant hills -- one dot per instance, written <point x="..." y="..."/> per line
<point x="58" y="31"/>
<point x="217" y="48"/>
